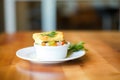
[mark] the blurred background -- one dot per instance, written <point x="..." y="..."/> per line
<point x="26" y="15"/>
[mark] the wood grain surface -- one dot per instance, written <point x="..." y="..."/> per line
<point x="101" y="62"/>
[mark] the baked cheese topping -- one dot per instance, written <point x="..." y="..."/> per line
<point x="47" y="38"/>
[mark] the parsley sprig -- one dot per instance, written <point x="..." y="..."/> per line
<point x="51" y="34"/>
<point x="75" y="47"/>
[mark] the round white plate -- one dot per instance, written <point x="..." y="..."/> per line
<point x="29" y="54"/>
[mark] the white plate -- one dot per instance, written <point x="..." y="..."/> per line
<point x="29" y="54"/>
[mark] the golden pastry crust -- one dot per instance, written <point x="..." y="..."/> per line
<point x="46" y="36"/>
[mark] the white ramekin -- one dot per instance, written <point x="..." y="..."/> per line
<point x="50" y="53"/>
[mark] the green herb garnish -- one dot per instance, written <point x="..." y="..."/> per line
<point x="75" y="47"/>
<point x="51" y="34"/>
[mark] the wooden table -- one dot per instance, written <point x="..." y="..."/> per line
<point x="101" y="62"/>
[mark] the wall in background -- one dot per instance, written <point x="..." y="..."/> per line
<point x="1" y="16"/>
<point x="83" y="15"/>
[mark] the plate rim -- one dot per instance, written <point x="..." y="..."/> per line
<point x="46" y="61"/>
